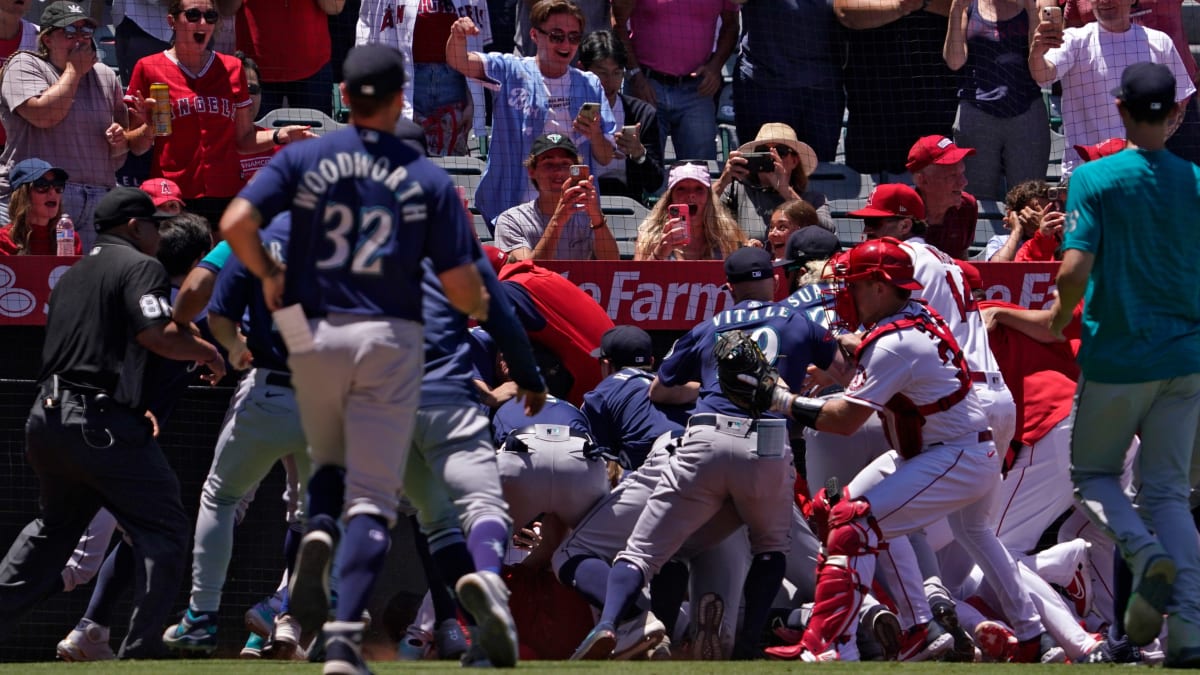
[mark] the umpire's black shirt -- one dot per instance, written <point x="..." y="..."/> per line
<point x="96" y="311"/>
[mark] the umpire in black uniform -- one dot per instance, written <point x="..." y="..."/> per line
<point x="87" y="436"/>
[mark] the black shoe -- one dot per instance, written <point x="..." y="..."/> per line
<point x="947" y="617"/>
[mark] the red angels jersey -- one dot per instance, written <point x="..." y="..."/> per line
<point x="945" y="290"/>
<point x="201" y="153"/>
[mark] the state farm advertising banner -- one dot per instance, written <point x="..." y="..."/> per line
<point x="654" y="295"/>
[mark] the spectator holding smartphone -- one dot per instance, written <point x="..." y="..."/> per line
<point x="698" y="228"/>
<point x="637" y="169"/>
<point x="536" y="95"/>
<point x="754" y="192"/>
<point x="564" y="222"/>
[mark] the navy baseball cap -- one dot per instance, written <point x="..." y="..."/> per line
<point x="626" y="346"/>
<point x="750" y="263"/>
<point x="809" y="243"/>
<point x="123" y="203"/>
<point x="373" y="70"/>
<point x="1146" y="87"/>
<point x="29" y="170"/>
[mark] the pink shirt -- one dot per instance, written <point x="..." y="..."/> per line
<point x="675" y="36"/>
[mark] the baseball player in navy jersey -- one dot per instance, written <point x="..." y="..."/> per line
<point x="260" y="428"/>
<point x="452" y="477"/>
<point x="908" y="369"/>
<point x="723" y="455"/>
<point x="366" y="209"/>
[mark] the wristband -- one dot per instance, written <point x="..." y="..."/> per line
<point x="602" y="223"/>
<point x="275" y="137"/>
<point x="802" y="409"/>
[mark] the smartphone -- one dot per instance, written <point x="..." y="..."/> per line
<point x="590" y="111"/>
<point x="580" y="172"/>
<point x="629" y="131"/>
<point x="758" y="162"/>
<point x="1052" y="15"/>
<point x="682" y="211"/>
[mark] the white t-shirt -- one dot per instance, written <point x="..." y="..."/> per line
<point x="945" y="289"/>
<point x="909" y="362"/>
<point x="1089" y="65"/>
<point x="615" y="168"/>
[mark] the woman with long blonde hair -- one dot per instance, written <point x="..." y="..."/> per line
<point x="34" y="206"/>
<point x="707" y="232"/>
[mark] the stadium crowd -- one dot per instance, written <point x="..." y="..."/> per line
<point x="572" y="495"/>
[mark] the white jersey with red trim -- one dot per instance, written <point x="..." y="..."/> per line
<point x="912" y="362"/>
<point x="945" y="289"/>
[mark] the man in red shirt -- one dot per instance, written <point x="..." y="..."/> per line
<point x="936" y="165"/>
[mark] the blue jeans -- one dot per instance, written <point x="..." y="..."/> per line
<point x="1165" y="414"/>
<point x="688" y="118"/>
<point x="442" y="106"/>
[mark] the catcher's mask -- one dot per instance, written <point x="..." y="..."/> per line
<point x="881" y="259"/>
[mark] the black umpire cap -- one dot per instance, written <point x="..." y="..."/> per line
<point x="373" y="71"/>
<point x="123" y="203"/>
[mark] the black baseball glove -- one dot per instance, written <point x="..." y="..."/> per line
<point x="746" y="378"/>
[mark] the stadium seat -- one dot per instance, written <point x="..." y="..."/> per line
<point x="316" y="120"/>
<point x="464" y="171"/>
<point x="838" y="181"/>
<point x="624" y="216"/>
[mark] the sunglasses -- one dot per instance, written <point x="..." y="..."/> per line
<point x="781" y="150"/>
<point x="254" y="89"/>
<point x="558" y="37"/>
<point x="193" y="15"/>
<point x="73" y="31"/>
<point x="43" y="186"/>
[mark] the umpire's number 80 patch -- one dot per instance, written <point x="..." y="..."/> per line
<point x="154" y="306"/>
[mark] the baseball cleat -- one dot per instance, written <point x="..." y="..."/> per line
<point x="194" y="633"/>
<point x="710" y="613"/>
<point x="253" y="649"/>
<point x="416" y="645"/>
<point x="1148" y="602"/>
<point x="260" y="619"/>
<point x="598" y="645"/>
<point x="1039" y="649"/>
<point x="309" y="591"/>
<point x="996" y="640"/>
<point x="343" y="649"/>
<point x="284" y="640"/>
<point x="947" y="617"/>
<point x="923" y="642"/>
<point x="636" y="637"/>
<point x="885" y="627"/>
<point x="88" y="641"/>
<point x="449" y="641"/>
<point x="485" y="596"/>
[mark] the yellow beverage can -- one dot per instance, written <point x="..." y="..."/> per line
<point x="162" y="109"/>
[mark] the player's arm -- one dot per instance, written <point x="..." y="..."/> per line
<point x="225" y="330"/>
<point x="240" y="227"/>
<point x="837" y="415"/>
<point x="458" y="57"/>
<point x="194" y="294"/>
<point x="680" y="394"/>
<point x="464" y="289"/>
<point x="1072" y="282"/>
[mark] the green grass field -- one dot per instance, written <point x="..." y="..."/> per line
<point x="233" y="667"/>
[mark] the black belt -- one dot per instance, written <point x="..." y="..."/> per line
<point x="710" y="420"/>
<point x="277" y="379"/>
<point x="665" y="78"/>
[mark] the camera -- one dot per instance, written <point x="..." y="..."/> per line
<point x="759" y="162"/>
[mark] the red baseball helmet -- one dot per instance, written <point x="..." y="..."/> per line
<point x="884" y="259"/>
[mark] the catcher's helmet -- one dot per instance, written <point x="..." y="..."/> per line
<point x="883" y="259"/>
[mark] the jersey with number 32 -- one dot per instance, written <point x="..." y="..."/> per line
<point x="786" y="336"/>
<point x="366" y="208"/>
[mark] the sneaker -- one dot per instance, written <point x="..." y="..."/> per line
<point x="1097" y="654"/>
<point x="639" y="635"/>
<point x="416" y="645"/>
<point x="88" y="641"/>
<point x="474" y="657"/>
<point x="343" y="648"/>
<point x="923" y="642"/>
<point x="1183" y="647"/>
<point x="260" y="619"/>
<point x="1148" y="602"/>
<point x="253" y="648"/>
<point x="284" y="640"/>
<point x="598" y="645"/>
<point x="947" y="617"/>
<point x="996" y="641"/>
<point x="485" y="596"/>
<point x="194" y="632"/>
<point x="709" y="616"/>
<point x="885" y="627"/>
<point x="1039" y="649"/>
<point x="1123" y="651"/>
<point x="309" y="590"/>
<point x="449" y="641"/>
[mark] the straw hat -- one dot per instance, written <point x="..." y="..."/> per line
<point x="782" y="134"/>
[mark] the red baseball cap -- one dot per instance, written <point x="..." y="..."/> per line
<point x="161" y="191"/>
<point x="935" y="150"/>
<point x="892" y="200"/>
<point x="1103" y="149"/>
<point x="495" y="256"/>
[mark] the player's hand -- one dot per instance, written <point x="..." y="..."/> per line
<point x="240" y="357"/>
<point x="504" y="392"/>
<point x="534" y="400"/>
<point x="849" y="342"/>
<point x="215" y="365"/>
<point x="528" y="538"/>
<point x="1058" y="319"/>
<point x="463" y="28"/>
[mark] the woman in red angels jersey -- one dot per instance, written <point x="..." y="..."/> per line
<point x="212" y="124"/>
